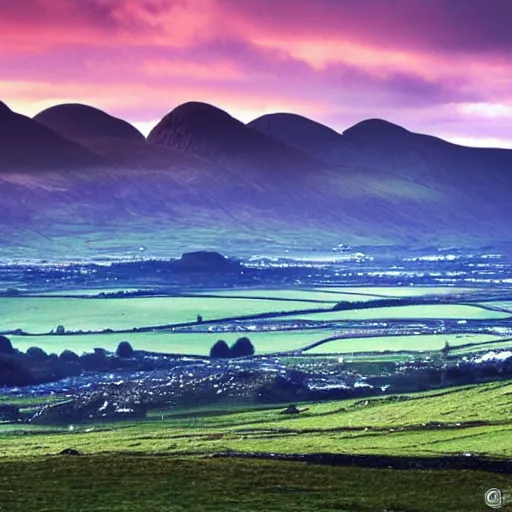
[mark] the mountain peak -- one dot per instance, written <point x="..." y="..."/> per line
<point x="198" y="112"/>
<point x="295" y="130"/>
<point x="4" y="108"/>
<point x="76" y="121"/>
<point x="375" y="128"/>
<point x="194" y="120"/>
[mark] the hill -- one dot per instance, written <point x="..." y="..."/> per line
<point x="25" y="144"/>
<point x="210" y="132"/>
<point x="459" y="185"/>
<point x="376" y="145"/>
<point x="204" y="180"/>
<point x="76" y="121"/>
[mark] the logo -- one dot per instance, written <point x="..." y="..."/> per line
<point x="496" y="498"/>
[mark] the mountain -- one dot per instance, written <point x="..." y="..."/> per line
<point x="299" y="132"/>
<point x="113" y="139"/>
<point x="204" y="180"/>
<point x="376" y="145"/>
<point x="453" y="182"/>
<point x="76" y="121"/>
<point x="25" y="144"/>
<point x="210" y="132"/>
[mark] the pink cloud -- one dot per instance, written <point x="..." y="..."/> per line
<point x="431" y="66"/>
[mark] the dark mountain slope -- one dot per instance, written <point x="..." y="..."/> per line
<point x="205" y="180"/>
<point x="207" y="131"/>
<point x="474" y="180"/>
<point x="378" y="145"/>
<point x="76" y="121"/>
<point x="25" y="144"/>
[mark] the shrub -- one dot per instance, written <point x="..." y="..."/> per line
<point x="69" y="356"/>
<point x="14" y="371"/>
<point x="37" y="353"/>
<point x="242" y="347"/>
<point x="5" y="345"/>
<point x="124" y="350"/>
<point x="220" y="350"/>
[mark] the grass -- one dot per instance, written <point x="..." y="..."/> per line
<point x="369" y="426"/>
<point x="158" y="484"/>
<point x="428" y="311"/>
<point x="119" y="472"/>
<point x="173" y="342"/>
<point x="426" y="342"/>
<point x="398" y="291"/>
<point x="267" y="342"/>
<point x="483" y="347"/>
<point x="41" y="315"/>
<point x="296" y="294"/>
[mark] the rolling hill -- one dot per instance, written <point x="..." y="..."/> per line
<point x="204" y="180"/>
<point x="76" y="121"/>
<point x="27" y="145"/>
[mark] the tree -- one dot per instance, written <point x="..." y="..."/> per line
<point x="60" y="329"/>
<point x="37" y="354"/>
<point x="242" y="347"/>
<point x="14" y="371"/>
<point x="199" y="319"/>
<point x="124" y="350"/>
<point x="446" y="349"/>
<point x="69" y="356"/>
<point x="5" y="345"/>
<point x="220" y="350"/>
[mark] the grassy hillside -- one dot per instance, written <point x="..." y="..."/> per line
<point x="118" y="470"/>
<point x="473" y="419"/>
<point x="156" y="484"/>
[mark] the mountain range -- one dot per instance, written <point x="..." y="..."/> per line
<point x="76" y="181"/>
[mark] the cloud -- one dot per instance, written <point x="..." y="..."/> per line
<point x="441" y="66"/>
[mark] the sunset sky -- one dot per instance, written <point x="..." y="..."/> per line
<point x="434" y="66"/>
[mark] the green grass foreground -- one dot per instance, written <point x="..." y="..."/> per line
<point x="165" y="463"/>
<point x="117" y="483"/>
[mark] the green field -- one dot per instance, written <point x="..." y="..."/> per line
<point x="505" y="344"/>
<point x="120" y="483"/>
<point x="119" y="470"/>
<point x="505" y="304"/>
<point x="38" y="315"/>
<point x="297" y="294"/>
<point x="426" y="342"/>
<point x="367" y="426"/>
<point x="398" y="291"/>
<point x="173" y="342"/>
<point x="264" y="342"/>
<point x="428" y="311"/>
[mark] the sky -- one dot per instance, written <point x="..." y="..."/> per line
<point x="442" y="67"/>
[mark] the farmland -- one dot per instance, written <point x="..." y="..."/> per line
<point x="119" y="457"/>
<point x="212" y="430"/>
<point x="41" y="315"/>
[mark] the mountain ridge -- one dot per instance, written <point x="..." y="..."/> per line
<point x="78" y="121"/>
<point x="204" y="179"/>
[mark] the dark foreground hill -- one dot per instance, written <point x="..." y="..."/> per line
<point x="25" y="144"/>
<point x="205" y="180"/>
